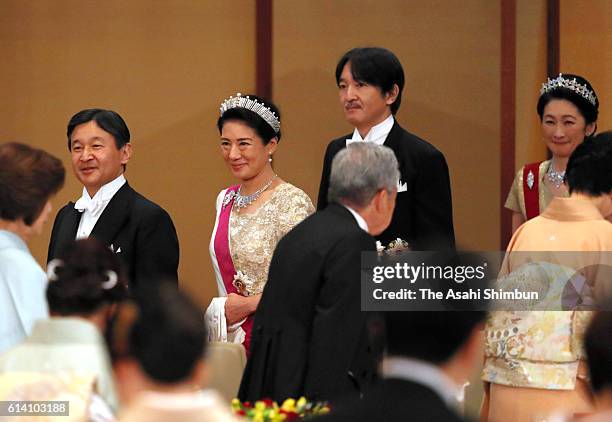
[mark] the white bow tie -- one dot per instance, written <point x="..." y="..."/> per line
<point x="94" y="206"/>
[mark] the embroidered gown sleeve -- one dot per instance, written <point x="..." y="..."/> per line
<point x="292" y="210"/>
<point x="513" y="200"/>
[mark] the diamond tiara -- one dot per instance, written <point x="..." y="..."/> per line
<point x="245" y="102"/>
<point x="572" y="85"/>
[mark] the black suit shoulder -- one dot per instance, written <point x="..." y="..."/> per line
<point x="157" y="252"/>
<point x="309" y="311"/>
<point x="316" y="245"/>
<point x="398" y="139"/>
<point x="137" y="228"/>
<point x="62" y="212"/>
<point x="406" y="144"/>
<point x="423" y="212"/>
<point x="413" y="154"/>
<point x="142" y="203"/>
<point x="340" y="142"/>
<point x="148" y="210"/>
<point x="394" y="399"/>
<point x="333" y="228"/>
<point x="343" y="222"/>
<point x="417" y="142"/>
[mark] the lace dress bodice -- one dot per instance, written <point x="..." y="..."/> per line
<point x="253" y="236"/>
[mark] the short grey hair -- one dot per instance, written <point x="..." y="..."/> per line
<point x="359" y="171"/>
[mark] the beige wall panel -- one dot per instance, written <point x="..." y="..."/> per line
<point x="530" y="73"/>
<point x="586" y="49"/>
<point x="165" y="66"/>
<point x="450" y="51"/>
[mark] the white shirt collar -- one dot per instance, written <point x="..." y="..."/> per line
<point x="378" y="134"/>
<point x="362" y="223"/>
<point x="425" y="374"/>
<point x="104" y="194"/>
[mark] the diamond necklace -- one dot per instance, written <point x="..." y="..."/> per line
<point x="242" y="201"/>
<point x="555" y="177"/>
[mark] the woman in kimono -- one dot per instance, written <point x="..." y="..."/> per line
<point x="534" y="360"/>
<point x="568" y="109"/>
<point x="252" y="216"/>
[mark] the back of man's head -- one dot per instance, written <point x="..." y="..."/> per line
<point x="164" y="333"/>
<point x="360" y="171"/>
<point x="588" y="169"/>
<point x="598" y="346"/>
<point x="433" y="337"/>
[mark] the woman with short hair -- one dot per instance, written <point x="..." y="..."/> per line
<point x="29" y="177"/>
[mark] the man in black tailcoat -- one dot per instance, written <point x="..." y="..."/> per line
<point x="370" y="82"/>
<point x="310" y="336"/>
<point x="136" y="229"/>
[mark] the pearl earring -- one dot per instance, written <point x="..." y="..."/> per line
<point x="270" y="159"/>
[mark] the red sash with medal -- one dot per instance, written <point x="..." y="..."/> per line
<point x="531" y="189"/>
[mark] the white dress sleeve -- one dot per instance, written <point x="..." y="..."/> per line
<point x="217" y="324"/>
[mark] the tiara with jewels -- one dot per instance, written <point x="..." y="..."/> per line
<point x="572" y="85"/>
<point x="245" y="102"/>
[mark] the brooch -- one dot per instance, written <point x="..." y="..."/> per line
<point x="530" y="179"/>
<point x="244" y="285"/>
<point x="228" y="198"/>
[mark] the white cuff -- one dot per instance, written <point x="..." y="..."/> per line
<point x="217" y="324"/>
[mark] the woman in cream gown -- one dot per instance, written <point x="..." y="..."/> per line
<point x="251" y="216"/>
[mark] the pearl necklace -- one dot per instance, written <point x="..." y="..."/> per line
<point x="555" y="177"/>
<point x="243" y="201"/>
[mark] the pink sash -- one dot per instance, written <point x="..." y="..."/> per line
<point x="224" y="258"/>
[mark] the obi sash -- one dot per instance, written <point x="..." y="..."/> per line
<point x="224" y="258"/>
<point x="531" y="190"/>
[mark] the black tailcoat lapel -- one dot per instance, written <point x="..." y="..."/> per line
<point x="138" y="231"/>
<point x="64" y="230"/>
<point x="114" y="216"/>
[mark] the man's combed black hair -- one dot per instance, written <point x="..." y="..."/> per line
<point x="108" y="120"/>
